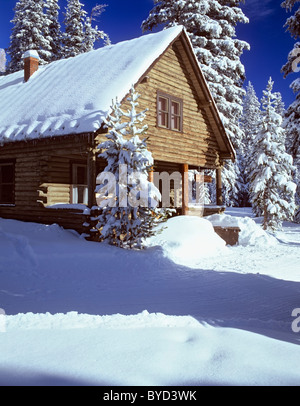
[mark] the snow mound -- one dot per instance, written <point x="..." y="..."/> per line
<point x="186" y="240"/>
<point x="250" y="234"/>
<point x="74" y="320"/>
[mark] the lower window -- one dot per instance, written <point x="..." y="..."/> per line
<point x="7" y="183"/>
<point x="79" y="184"/>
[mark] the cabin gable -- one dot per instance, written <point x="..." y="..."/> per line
<point x="195" y="143"/>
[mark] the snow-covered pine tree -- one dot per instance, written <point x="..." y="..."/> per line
<point x="28" y="33"/>
<point x="73" y="37"/>
<point x="211" y="28"/>
<point x="93" y="34"/>
<point x="127" y="217"/>
<point x="271" y="187"/>
<point x="250" y="122"/>
<point x="52" y="29"/>
<point x="2" y="61"/>
<point x="292" y="116"/>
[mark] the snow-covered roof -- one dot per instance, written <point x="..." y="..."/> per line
<point x="73" y="95"/>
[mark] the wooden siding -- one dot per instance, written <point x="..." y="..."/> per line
<point x="42" y="178"/>
<point x="196" y="144"/>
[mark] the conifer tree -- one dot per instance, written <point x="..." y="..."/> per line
<point x="80" y="36"/>
<point x="93" y="34"/>
<point x="28" y="33"/>
<point x="271" y="187"/>
<point x="292" y="116"/>
<point x="52" y="29"/>
<point x="211" y="28"/>
<point x="250" y="122"/>
<point x="128" y="199"/>
<point x="73" y="37"/>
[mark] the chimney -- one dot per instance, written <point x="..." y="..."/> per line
<point x="31" y="63"/>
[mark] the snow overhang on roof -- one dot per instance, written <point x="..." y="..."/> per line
<point x="74" y="95"/>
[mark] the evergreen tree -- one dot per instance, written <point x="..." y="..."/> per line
<point x="292" y="117"/>
<point x="53" y="30"/>
<point x="93" y="34"/>
<point x="250" y="121"/>
<point x="28" y="33"/>
<point x="80" y="36"/>
<point x="126" y="218"/>
<point x="211" y="28"/>
<point x="271" y="187"/>
<point x="73" y="37"/>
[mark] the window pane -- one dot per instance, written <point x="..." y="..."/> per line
<point x="175" y="123"/>
<point x="163" y="119"/>
<point x="163" y="104"/>
<point x="7" y="172"/>
<point x="175" y="116"/>
<point x="7" y="187"/>
<point x="6" y="194"/>
<point x="79" y="195"/>
<point x="163" y="112"/>
<point x="81" y="175"/>
<point x="79" y="181"/>
<point x="175" y="108"/>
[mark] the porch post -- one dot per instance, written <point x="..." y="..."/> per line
<point x="185" y="189"/>
<point x="151" y="175"/>
<point x="91" y="172"/>
<point x="219" y="186"/>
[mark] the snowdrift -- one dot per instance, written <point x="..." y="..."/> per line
<point x="74" y="310"/>
<point x="188" y="239"/>
<point x="250" y="234"/>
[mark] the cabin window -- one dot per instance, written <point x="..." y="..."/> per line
<point x="169" y="112"/>
<point x="79" y="184"/>
<point x="7" y="183"/>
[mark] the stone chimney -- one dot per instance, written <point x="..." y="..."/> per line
<point x="31" y="63"/>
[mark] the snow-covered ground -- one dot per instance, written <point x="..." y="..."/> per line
<point x="176" y="313"/>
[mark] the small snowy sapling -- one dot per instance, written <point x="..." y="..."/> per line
<point x="128" y="200"/>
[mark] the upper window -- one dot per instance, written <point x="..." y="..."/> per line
<point x="7" y="183"/>
<point x="169" y="112"/>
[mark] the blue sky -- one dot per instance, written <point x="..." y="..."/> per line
<point x="269" y="42"/>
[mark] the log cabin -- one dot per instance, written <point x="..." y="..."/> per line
<point x="52" y="121"/>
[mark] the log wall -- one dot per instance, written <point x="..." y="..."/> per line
<point x="43" y="178"/>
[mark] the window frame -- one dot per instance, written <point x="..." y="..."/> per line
<point x="10" y="162"/>
<point x="75" y="184"/>
<point x="171" y="99"/>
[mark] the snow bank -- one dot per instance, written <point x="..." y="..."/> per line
<point x="186" y="240"/>
<point x="250" y="234"/>
<point x="47" y="273"/>
<point x="74" y="320"/>
<point x="169" y="351"/>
